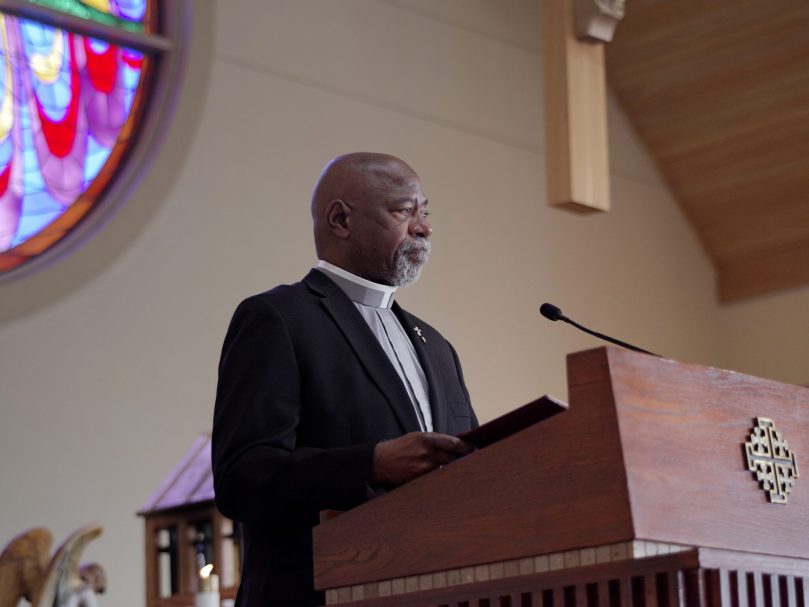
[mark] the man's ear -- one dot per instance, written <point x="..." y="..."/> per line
<point x="337" y="213"/>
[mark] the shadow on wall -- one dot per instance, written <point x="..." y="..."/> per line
<point x="32" y="292"/>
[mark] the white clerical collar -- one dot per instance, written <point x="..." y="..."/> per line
<point x="359" y="290"/>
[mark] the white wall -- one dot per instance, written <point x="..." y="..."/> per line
<point x="108" y="359"/>
<point x="768" y="336"/>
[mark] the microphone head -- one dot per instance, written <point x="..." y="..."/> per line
<point x="551" y="312"/>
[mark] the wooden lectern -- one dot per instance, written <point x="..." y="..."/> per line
<point x="640" y="494"/>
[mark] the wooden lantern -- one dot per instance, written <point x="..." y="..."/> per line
<point x="184" y="531"/>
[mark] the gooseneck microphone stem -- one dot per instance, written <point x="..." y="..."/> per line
<point x="551" y="312"/>
<point x="607" y="337"/>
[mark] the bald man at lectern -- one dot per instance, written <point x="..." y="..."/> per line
<point x="329" y="392"/>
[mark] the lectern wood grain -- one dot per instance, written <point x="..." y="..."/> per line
<point x="682" y="427"/>
<point x="556" y="485"/>
<point x="650" y="449"/>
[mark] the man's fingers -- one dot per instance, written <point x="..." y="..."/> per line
<point x="451" y="444"/>
<point x="463" y="447"/>
<point x="442" y="458"/>
<point x="402" y="459"/>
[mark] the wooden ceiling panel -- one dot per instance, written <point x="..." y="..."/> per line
<point x="719" y="92"/>
<point x="774" y="153"/>
<point x="724" y="109"/>
<point x="731" y="234"/>
<point x="713" y="53"/>
<point x="771" y="270"/>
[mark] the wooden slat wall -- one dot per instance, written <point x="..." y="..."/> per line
<point x="719" y="92"/>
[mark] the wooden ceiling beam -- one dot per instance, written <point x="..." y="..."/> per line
<point x="577" y="163"/>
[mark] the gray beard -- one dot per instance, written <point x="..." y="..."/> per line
<point x="408" y="261"/>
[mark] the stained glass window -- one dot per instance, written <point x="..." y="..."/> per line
<point x="70" y="103"/>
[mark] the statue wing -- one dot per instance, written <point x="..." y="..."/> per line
<point x="22" y="565"/>
<point x="62" y="575"/>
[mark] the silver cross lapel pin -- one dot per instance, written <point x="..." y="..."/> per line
<point x="418" y="332"/>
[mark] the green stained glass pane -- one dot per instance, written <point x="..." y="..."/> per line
<point x="78" y="9"/>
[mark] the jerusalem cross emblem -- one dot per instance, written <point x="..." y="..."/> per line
<point x="769" y="459"/>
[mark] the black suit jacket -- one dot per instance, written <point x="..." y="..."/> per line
<point x="305" y="392"/>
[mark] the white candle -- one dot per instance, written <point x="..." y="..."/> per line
<point x="207" y="599"/>
<point x="208" y="594"/>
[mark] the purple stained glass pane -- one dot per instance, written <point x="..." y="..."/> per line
<point x="133" y="10"/>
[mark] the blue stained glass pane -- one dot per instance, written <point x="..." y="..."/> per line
<point x="2" y="66"/>
<point x="62" y="93"/>
<point x="38" y="36"/>
<point x="32" y="224"/>
<point x="6" y="149"/>
<point x="42" y="203"/>
<point x="97" y="155"/>
<point x="22" y="111"/>
<point x="129" y="97"/>
<point x="32" y="177"/>
<point x="131" y="78"/>
<point x="54" y="97"/>
<point x="98" y="46"/>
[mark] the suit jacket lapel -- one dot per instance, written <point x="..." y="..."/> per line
<point x="424" y="351"/>
<point x="366" y="347"/>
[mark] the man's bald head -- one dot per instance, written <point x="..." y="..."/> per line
<point x="358" y="204"/>
<point x="358" y="176"/>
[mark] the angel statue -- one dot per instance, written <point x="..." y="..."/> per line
<point x="27" y="572"/>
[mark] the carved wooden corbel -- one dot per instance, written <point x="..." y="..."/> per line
<point x="596" y="20"/>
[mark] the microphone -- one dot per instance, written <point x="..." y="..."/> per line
<point x="551" y="312"/>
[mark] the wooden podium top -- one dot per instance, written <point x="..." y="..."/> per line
<point x="651" y="449"/>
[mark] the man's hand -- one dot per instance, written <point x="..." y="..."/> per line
<point x="402" y="459"/>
